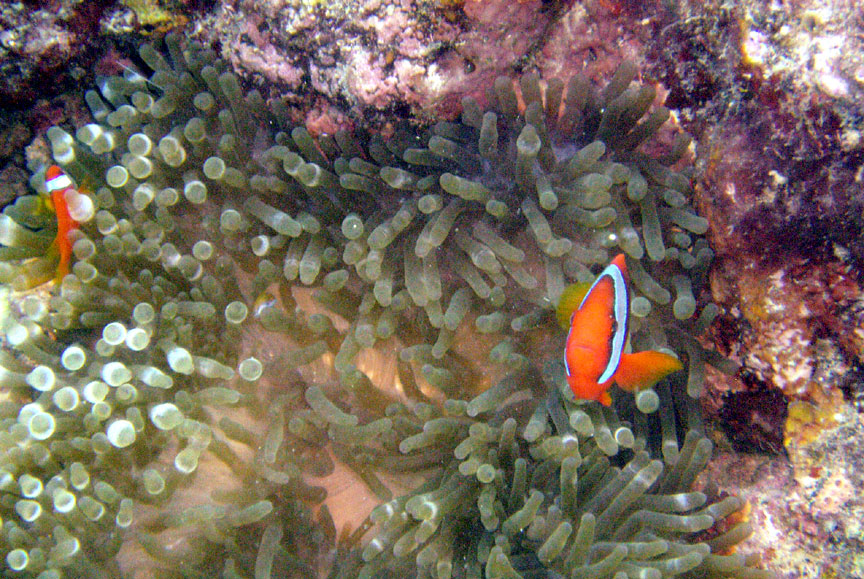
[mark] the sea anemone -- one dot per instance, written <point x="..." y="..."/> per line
<point x="234" y="276"/>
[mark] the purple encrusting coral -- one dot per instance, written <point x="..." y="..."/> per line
<point x="381" y="57"/>
<point x="737" y="78"/>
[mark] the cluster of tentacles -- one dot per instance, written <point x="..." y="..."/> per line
<point x="233" y="280"/>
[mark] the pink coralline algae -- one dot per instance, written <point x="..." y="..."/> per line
<point x="792" y="327"/>
<point x="381" y="55"/>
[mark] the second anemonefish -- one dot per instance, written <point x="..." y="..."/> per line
<point x="594" y="353"/>
<point x="58" y="183"/>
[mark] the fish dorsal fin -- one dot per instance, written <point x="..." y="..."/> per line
<point x="571" y="299"/>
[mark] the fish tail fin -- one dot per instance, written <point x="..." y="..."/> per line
<point x="53" y="252"/>
<point x="642" y="370"/>
<point x="62" y="270"/>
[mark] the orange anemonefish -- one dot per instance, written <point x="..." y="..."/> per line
<point x="58" y="183"/>
<point x="594" y="354"/>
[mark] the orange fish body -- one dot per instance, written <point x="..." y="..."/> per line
<point x="58" y="183"/>
<point x="594" y="353"/>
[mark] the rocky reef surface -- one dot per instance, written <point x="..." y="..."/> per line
<point x="771" y="93"/>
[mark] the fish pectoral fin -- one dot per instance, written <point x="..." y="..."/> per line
<point x="569" y="302"/>
<point x="642" y="370"/>
<point x="604" y="398"/>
